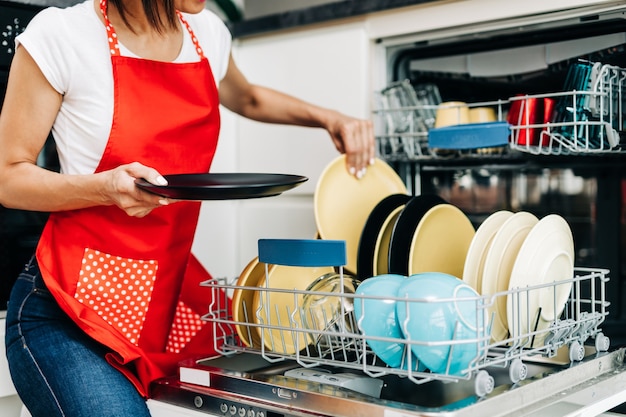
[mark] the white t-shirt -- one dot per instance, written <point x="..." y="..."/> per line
<point x="71" y="49"/>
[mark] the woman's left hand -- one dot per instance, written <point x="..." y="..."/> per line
<point x="355" y="138"/>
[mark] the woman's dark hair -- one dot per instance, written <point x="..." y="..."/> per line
<point x="151" y="8"/>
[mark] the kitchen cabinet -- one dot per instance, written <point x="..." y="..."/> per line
<point x="10" y="404"/>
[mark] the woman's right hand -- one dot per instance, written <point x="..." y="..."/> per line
<point x="120" y="189"/>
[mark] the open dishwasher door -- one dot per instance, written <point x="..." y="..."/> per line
<point x="591" y="387"/>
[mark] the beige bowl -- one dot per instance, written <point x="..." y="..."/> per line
<point x="452" y="113"/>
<point x="482" y="115"/>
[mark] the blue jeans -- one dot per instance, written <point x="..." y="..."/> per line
<point x="56" y="368"/>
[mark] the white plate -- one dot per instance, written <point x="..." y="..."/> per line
<point x="477" y="252"/>
<point x="499" y="264"/>
<point x="546" y="256"/>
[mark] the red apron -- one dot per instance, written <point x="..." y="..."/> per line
<point x="132" y="283"/>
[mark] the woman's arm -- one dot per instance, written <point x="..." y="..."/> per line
<point x="29" y="110"/>
<point x="351" y="136"/>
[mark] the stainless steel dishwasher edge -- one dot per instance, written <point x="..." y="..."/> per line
<point x="591" y="387"/>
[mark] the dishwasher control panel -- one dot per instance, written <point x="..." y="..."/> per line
<point x="207" y="404"/>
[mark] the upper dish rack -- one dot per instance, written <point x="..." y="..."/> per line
<point x="588" y="117"/>
<point x="534" y="334"/>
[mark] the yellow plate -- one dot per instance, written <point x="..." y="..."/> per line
<point x="499" y="264"/>
<point x="381" y="250"/>
<point x="343" y="203"/>
<point x="441" y="241"/>
<point x="477" y="253"/>
<point x="242" y="302"/>
<point x="277" y="309"/>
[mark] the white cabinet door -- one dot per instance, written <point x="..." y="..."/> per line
<point x="6" y="386"/>
<point x="327" y="66"/>
<point x="10" y="404"/>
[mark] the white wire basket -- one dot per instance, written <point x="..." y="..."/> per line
<point x="343" y="344"/>
<point x="588" y="119"/>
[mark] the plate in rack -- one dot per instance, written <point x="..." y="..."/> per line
<point x="477" y="252"/>
<point x="499" y="265"/>
<point x="546" y="256"/>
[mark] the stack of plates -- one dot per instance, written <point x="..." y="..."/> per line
<point x="546" y="256"/>
<point x="266" y="312"/>
<point x="242" y="302"/>
<point x="385" y="229"/>
<point x="274" y="310"/>
<point x="373" y="251"/>
<point x="405" y="236"/>
<point x="439" y="243"/>
<point x="499" y="263"/>
<point x="512" y="251"/>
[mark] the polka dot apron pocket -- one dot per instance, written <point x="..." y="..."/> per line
<point x="187" y="324"/>
<point x="118" y="289"/>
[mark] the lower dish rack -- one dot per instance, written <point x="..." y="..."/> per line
<point x="554" y="321"/>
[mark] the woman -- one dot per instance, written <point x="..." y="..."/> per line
<point x="128" y="89"/>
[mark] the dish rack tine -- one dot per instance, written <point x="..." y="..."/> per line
<point x="536" y="326"/>
<point x="457" y="325"/>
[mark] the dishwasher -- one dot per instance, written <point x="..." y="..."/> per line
<point x="572" y="164"/>
<point x="563" y="146"/>
<point x="293" y="368"/>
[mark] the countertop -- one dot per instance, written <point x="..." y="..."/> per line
<point x="316" y="14"/>
<point x="43" y="3"/>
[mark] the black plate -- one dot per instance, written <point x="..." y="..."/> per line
<point x="404" y="229"/>
<point x="371" y="231"/>
<point x="222" y="186"/>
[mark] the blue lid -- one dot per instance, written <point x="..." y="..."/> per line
<point x="470" y="136"/>
<point x="302" y="252"/>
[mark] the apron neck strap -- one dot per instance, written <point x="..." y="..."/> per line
<point x="114" y="47"/>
